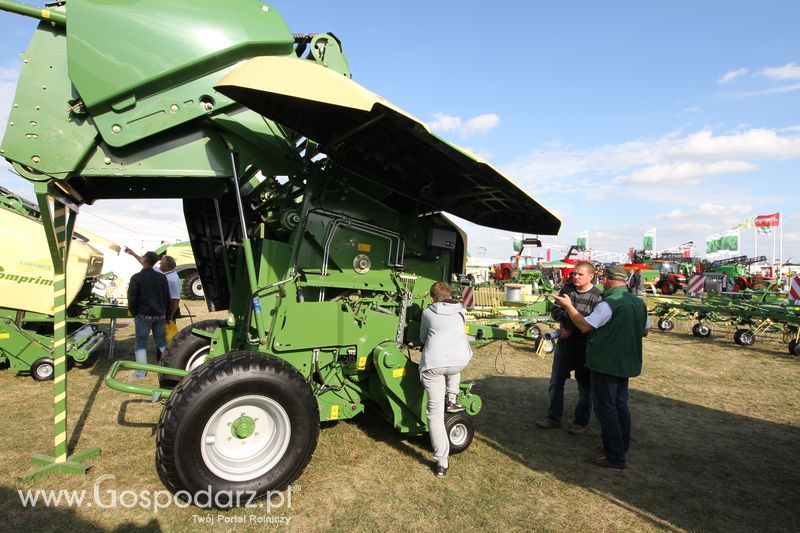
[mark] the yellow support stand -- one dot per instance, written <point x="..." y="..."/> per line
<point x="59" y="230"/>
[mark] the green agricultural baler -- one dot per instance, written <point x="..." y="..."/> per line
<point x="26" y="294"/>
<point x="314" y="209"/>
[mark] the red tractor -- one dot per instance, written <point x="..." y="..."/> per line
<point x="672" y="279"/>
<point x="666" y="273"/>
<point x="506" y="270"/>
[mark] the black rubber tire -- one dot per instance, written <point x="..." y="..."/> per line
<point x="666" y="324"/>
<point x="794" y="348"/>
<point x="667" y="287"/>
<point x="180" y="442"/>
<point x="43" y="369"/>
<point x="746" y="338"/>
<point x="549" y="345"/>
<point x="533" y="331"/>
<point x="192" y="287"/>
<point x="701" y="330"/>
<point x="183" y="349"/>
<point x="459" y="425"/>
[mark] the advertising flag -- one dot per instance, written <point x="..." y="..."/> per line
<point x="648" y="242"/>
<point x="772" y="220"/>
<point x="729" y="241"/>
<point x="582" y="239"/>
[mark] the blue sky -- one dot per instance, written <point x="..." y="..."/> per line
<point x="619" y="116"/>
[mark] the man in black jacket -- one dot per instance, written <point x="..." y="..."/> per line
<point x="148" y="303"/>
<point x="570" y="353"/>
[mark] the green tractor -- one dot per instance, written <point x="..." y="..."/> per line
<point x="314" y="209"/>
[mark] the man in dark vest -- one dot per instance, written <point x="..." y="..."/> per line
<point x="613" y="354"/>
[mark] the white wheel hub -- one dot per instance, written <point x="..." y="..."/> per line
<point x="458" y="434"/>
<point x="245" y="438"/>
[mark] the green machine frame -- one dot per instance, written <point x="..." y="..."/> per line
<point x="314" y="209"/>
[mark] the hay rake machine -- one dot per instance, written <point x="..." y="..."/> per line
<point x="749" y="318"/>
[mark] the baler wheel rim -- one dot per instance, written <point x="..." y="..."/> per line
<point x="242" y="459"/>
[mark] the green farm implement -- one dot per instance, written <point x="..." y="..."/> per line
<point x="512" y="321"/>
<point x="26" y="294"/>
<point x="314" y="209"/>
<point x="750" y="318"/>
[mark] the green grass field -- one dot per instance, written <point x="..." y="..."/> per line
<point x="714" y="448"/>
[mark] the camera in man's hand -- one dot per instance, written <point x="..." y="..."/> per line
<point x="552" y="335"/>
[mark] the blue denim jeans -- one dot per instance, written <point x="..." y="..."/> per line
<point x="559" y="376"/>
<point x="143" y="327"/>
<point x="610" y="395"/>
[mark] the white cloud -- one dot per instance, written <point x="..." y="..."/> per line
<point x="765" y="92"/>
<point x="754" y="143"/>
<point x="789" y="71"/>
<point x="694" y="157"/>
<point x="685" y="226"/>
<point x="478" y="125"/>
<point x="445" y="123"/>
<point x="686" y="172"/>
<point x="732" y="75"/>
<point x="707" y="209"/>
<point x="151" y="211"/>
<point x="119" y="221"/>
<point x="675" y="213"/>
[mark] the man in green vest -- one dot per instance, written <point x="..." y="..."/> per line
<point x="613" y="354"/>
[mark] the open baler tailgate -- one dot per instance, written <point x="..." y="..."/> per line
<point x="369" y="136"/>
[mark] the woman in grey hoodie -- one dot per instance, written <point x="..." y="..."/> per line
<point x="445" y="353"/>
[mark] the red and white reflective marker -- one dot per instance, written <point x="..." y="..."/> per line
<point x="696" y="285"/>
<point x="468" y="296"/>
<point x="794" y="290"/>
